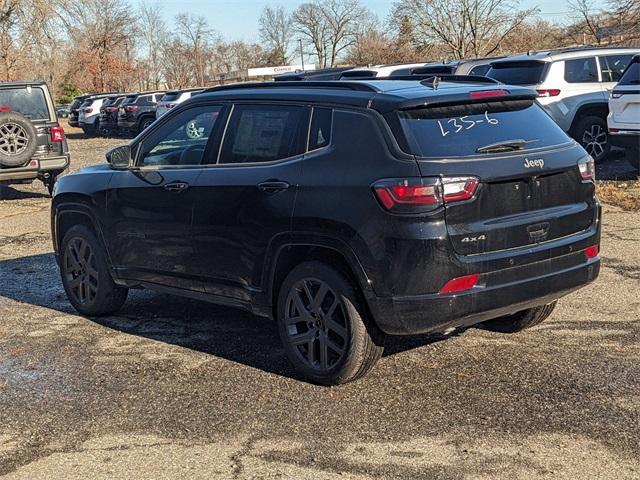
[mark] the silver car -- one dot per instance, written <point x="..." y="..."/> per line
<point x="573" y="87"/>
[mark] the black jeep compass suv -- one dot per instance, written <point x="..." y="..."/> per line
<point x="345" y="210"/>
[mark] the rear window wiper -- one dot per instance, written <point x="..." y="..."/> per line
<point x="504" y="146"/>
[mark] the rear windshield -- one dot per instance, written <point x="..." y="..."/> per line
<point x="517" y="73"/>
<point x="631" y="74"/>
<point x="459" y="130"/>
<point x="76" y="103"/>
<point x="170" y="97"/>
<point x="29" y="101"/>
<point x="129" y="100"/>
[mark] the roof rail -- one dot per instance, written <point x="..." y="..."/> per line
<point x="579" y="48"/>
<point x="428" y="79"/>
<point x="358" y="86"/>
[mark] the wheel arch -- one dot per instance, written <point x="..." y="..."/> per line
<point x="598" y="109"/>
<point x="333" y="252"/>
<point x="69" y="210"/>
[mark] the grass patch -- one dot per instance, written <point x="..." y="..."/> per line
<point x="625" y="195"/>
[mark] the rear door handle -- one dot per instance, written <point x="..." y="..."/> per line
<point x="273" y="186"/>
<point x="176" y="186"/>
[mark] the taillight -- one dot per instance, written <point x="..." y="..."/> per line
<point x="5" y="108"/>
<point x="457" y="189"/>
<point x="88" y="110"/>
<point x="111" y="109"/>
<point x="57" y="134"/>
<point x="592" y="252"/>
<point x="460" y="284"/>
<point x="488" y="94"/>
<point x="587" y="169"/>
<point x="131" y="108"/>
<point x="418" y="195"/>
<point x="552" y="92"/>
<point x="411" y="195"/>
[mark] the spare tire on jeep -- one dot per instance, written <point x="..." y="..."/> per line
<point x="17" y="139"/>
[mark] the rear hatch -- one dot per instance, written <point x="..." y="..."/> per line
<point x="33" y="101"/>
<point x="625" y="97"/>
<point x="529" y="183"/>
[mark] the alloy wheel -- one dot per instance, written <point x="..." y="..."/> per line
<point x="316" y="324"/>
<point x="193" y="131"/>
<point x="13" y="139"/>
<point x="79" y="267"/>
<point x="594" y="140"/>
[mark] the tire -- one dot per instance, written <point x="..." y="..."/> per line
<point x="591" y="132"/>
<point x="145" y="122"/>
<point x="83" y="268"/>
<point x="521" y="320"/>
<point x="18" y="139"/>
<point x="334" y="342"/>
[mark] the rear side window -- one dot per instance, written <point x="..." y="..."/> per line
<point x="29" y="101"/>
<point x="581" y="70"/>
<point x="171" y="96"/>
<point x="612" y="67"/>
<point x="144" y="100"/>
<point x="480" y="70"/>
<point x="459" y="130"/>
<point x="320" y="130"/>
<point x="631" y="75"/>
<point x="264" y="133"/>
<point x="517" y="73"/>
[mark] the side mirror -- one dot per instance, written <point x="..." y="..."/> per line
<point x="120" y="157"/>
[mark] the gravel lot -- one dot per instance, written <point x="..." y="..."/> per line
<point x="178" y="388"/>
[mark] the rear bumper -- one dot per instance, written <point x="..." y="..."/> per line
<point x="429" y="313"/>
<point x="30" y="171"/>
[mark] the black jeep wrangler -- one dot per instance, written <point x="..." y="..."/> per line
<point x="32" y="142"/>
<point x="345" y="210"/>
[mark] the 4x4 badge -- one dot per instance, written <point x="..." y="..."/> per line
<point x="537" y="163"/>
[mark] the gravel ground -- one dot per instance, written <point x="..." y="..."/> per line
<point x="172" y="387"/>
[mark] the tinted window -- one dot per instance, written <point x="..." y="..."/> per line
<point x="612" y="67"/>
<point x="320" y="131"/>
<point x="480" y="70"/>
<point x="459" y="130"/>
<point x="171" y="96"/>
<point x="144" y="100"/>
<point x="517" y="73"/>
<point x="580" y="70"/>
<point x="182" y="140"/>
<point x="631" y="75"/>
<point x="129" y="100"/>
<point x="264" y="133"/>
<point x="29" y="101"/>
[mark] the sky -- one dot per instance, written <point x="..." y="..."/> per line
<point x="236" y="20"/>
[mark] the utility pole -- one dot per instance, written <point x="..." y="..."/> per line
<point x="301" y="53"/>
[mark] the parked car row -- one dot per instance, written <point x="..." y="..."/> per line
<point x="121" y="114"/>
<point x="575" y="86"/>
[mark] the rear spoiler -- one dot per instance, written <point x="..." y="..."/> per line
<point x="500" y="94"/>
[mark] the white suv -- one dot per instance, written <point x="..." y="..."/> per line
<point x="173" y="98"/>
<point x="573" y="87"/>
<point x="89" y="114"/>
<point x="624" y="112"/>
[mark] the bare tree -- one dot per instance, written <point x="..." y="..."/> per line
<point x="589" y="22"/>
<point x="103" y="34"/>
<point x="342" y="18"/>
<point x="311" y="23"/>
<point x="195" y="32"/>
<point x="153" y="33"/>
<point x="467" y="27"/>
<point x="276" y="32"/>
<point x="178" y="67"/>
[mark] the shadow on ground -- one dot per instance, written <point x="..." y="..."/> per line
<point x="10" y="193"/>
<point x="225" y="332"/>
